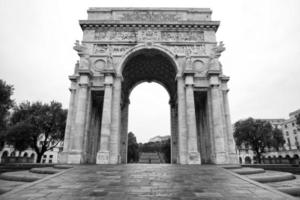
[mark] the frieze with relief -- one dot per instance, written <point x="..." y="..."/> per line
<point x="106" y="49"/>
<point x="131" y="35"/>
<point x="149" y="16"/>
<point x="189" y="50"/>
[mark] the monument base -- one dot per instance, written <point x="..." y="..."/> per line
<point x="194" y="158"/>
<point x="102" y="157"/>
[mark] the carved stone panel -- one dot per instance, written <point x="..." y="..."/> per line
<point x="134" y="35"/>
<point x="103" y="49"/>
<point x="188" y="50"/>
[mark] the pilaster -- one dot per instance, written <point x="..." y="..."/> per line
<point x="193" y="153"/>
<point x="182" y="127"/>
<point x="103" y="155"/>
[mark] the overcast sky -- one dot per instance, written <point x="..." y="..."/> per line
<point x="262" y="39"/>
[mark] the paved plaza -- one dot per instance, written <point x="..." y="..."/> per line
<point x="144" y="182"/>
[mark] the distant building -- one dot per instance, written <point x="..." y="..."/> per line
<point x="50" y="156"/>
<point x="159" y="138"/>
<point x="288" y="153"/>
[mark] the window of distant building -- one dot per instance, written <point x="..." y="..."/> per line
<point x="44" y="156"/>
<point x="50" y="161"/>
<point x="285" y="126"/>
<point x="51" y="156"/>
<point x="293" y="124"/>
<point x="44" y="161"/>
<point x="287" y="133"/>
<point x="289" y="143"/>
<point x="295" y="131"/>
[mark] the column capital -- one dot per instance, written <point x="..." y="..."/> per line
<point x="86" y="72"/>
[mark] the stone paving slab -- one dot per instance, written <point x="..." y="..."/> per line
<point x="146" y="182"/>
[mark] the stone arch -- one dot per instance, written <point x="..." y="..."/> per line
<point x="248" y="160"/>
<point x="25" y="154"/>
<point x="3" y="156"/>
<point x="138" y="48"/>
<point x="270" y="159"/>
<point x="240" y="160"/>
<point x="147" y="65"/>
<point x="287" y="159"/>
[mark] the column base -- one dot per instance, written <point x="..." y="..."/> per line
<point x="233" y="158"/>
<point x="194" y="158"/>
<point x="102" y="157"/>
<point x="221" y="158"/>
<point x="72" y="157"/>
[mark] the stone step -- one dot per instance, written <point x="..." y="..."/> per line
<point x="62" y="166"/>
<point x="271" y="176"/>
<point x="248" y="170"/>
<point x="44" y="170"/>
<point x="291" y="187"/>
<point x="22" y="176"/>
<point x="231" y="166"/>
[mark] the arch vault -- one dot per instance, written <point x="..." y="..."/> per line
<point x="123" y="47"/>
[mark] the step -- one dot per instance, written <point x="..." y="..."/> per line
<point x="231" y="166"/>
<point x="45" y="170"/>
<point x="62" y="166"/>
<point x="22" y="176"/>
<point x="248" y="170"/>
<point x="271" y="176"/>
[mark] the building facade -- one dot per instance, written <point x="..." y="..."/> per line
<point x="159" y="138"/>
<point x="30" y="155"/>
<point x="123" y="47"/>
<point x="290" y="153"/>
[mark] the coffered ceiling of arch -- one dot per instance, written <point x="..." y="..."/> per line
<point x="149" y="66"/>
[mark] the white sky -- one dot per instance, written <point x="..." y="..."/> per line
<point x="262" y="38"/>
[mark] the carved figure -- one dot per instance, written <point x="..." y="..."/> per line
<point x="217" y="50"/>
<point x="80" y="48"/>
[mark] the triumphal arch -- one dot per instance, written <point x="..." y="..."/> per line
<point x="123" y="47"/>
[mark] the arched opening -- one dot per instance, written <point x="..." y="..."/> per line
<point x="149" y="121"/>
<point x="25" y="154"/>
<point x="287" y="159"/>
<point x="13" y="154"/>
<point x="296" y="159"/>
<point x="247" y="160"/>
<point x="149" y="65"/>
<point x="280" y="159"/>
<point x="241" y="161"/>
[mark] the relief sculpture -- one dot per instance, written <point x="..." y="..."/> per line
<point x="149" y="16"/>
<point x="191" y="50"/>
<point x="112" y="34"/>
<point x="115" y="49"/>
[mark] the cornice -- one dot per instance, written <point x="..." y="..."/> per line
<point x="84" y="24"/>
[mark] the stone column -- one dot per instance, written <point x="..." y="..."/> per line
<point x="115" y="127"/>
<point x="173" y="133"/>
<point x="233" y="158"/>
<point x="76" y="149"/>
<point x="124" y="132"/>
<point x="182" y="129"/>
<point x="218" y="124"/>
<point x="104" y="154"/>
<point x="69" y="120"/>
<point x="193" y="153"/>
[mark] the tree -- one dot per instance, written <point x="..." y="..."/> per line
<point x="5" y="104"/>
<point x="166" y="150"/>
<point x="258" y="134"/>
<point x="133" y="148"/>
<point x="20" y="136"/>
<point x="47" y="122"/>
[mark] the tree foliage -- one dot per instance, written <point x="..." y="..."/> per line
<point x="46" y="122"/>
<point x="258" y="134"/>
<point x="133" y="149"/>
<point x="5" y="104"/>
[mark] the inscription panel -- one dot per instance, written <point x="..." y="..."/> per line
<point x="104" y="49"/>
<point x="188" y="50"/>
